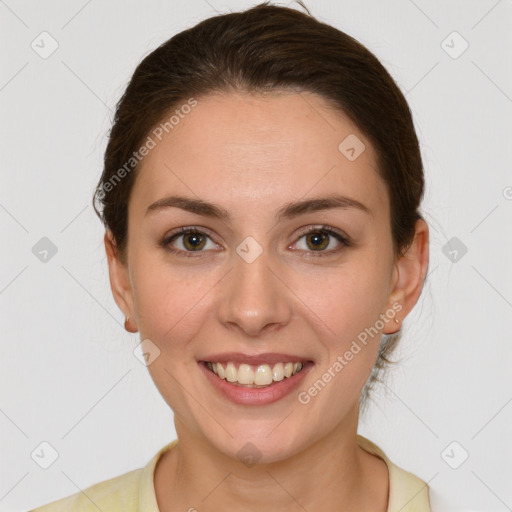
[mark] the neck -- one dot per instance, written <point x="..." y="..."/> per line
<point x="332" y="474"/>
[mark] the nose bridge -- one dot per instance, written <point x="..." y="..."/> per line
<point x="254" y="297"/>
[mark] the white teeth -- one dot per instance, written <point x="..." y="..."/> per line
<point x="245" y="374"/>
<point x="263" y="375"/>
<point x="231" y="372"/>
<point x="278" y="372"/>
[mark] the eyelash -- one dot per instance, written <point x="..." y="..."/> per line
<point x="166" y="241"/>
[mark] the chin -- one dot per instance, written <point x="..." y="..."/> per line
<point x="252" y="447"/>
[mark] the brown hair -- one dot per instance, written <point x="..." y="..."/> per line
<point x="263" y="49"/>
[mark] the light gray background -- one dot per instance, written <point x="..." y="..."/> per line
<point x="68" y="373"/>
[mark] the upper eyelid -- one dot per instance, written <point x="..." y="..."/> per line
<point x="321" y="227"/>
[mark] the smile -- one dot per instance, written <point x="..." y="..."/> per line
<point x="259" y="376"/>
<point x="254" y="379"/>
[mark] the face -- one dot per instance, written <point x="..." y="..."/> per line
<point x="268" y="275"/>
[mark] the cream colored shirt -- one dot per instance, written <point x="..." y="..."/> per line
<point x="135" y="491"/>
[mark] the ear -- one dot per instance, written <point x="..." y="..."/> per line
<point x="119" y="280"/>
<point x="409" y="276"/>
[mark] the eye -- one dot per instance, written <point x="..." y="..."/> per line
<point x="318" y="239"/>
<point x="193" y="240"/>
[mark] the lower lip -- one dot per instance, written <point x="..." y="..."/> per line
<point x="256" y="396"/>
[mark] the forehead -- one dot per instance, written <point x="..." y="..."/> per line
<point x="243" y="149"/>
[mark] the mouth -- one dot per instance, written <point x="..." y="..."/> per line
<point x="254" y="380"/>
<point x="254" y="376"/>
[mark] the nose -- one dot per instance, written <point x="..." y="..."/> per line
<point x="254" y="298"/>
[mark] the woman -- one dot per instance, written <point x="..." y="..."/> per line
<point x="261" y="196"/>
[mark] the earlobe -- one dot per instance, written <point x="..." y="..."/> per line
<point x="119" y="279"/>
<point x="410" y="272"/>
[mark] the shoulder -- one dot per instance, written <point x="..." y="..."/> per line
<point x="407" y="492"/>
<point x="120" y="493"/>
<point x="129" y="492"/>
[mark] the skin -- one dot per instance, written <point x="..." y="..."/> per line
<point x="252" y="154"/>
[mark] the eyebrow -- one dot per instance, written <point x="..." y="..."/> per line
<point x="288" y="211"/>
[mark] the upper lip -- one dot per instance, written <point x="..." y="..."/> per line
<point x="265" y="358"/>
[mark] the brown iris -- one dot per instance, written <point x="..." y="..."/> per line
<point x="196" y="242"/>
<point x="320" y="240"/>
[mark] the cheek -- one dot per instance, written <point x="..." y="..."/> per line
<point x="349" y="302"/>
<point x="349" y="311"/>
<point x="346" y="299"/>
<point x="170" y="300"/>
